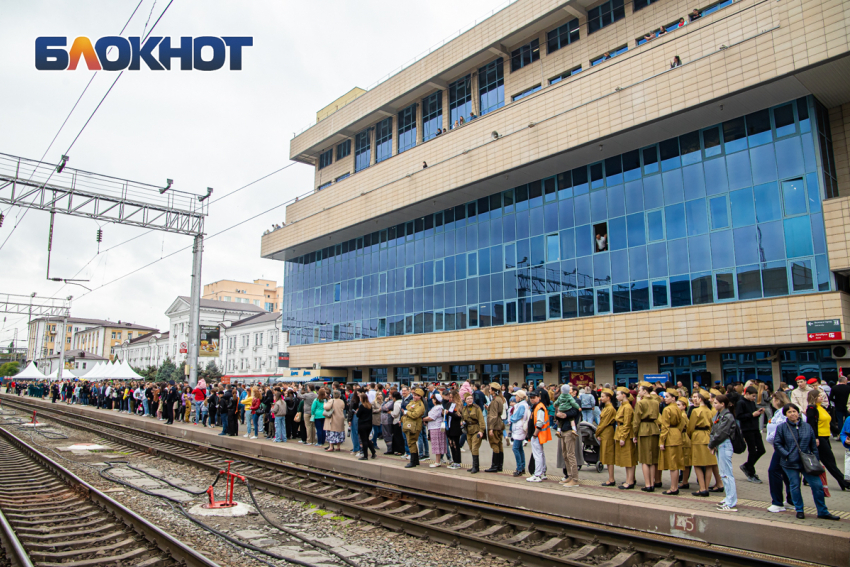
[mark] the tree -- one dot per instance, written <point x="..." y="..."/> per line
<point x="149" y="373"/>
<point x="168" y="371"/>
<point x="211" y="373"/>
<point x="9" y="369"/>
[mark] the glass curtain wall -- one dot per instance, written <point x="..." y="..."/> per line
<point x="727" y="213"/>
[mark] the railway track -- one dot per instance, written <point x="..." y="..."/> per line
<point x="524" y="537"/>
<point x="49" y="517"/>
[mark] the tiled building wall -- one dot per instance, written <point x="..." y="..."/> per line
<point x="401" y="182"/>
<point x="836" y="220"/>
<point x="778" y="321"/>
<point x="839" y="121"/>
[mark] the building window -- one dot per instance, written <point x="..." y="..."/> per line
<point x="432" y="115"/>
<point x="326" y="158"/>
<point x="731" y="212"/>
<point x="324" y="185"/>
<point x="744" y="366"/>
<point x="562" y="36"/>
<point x="460" y="100"/>
<point x="341" y="177"/>
<point x="491" y="86"/>
<point x="563" y="76"/>
<point x="525" y="55"/>
<point x="605" y="14"/>
<point x="640" y="4"/>
<point x="113" y="334"/>
<point x="406" y="128"/>
<point x="343" y="150"/>
<point x="362" y="151"/>
<point x="815" y="363"/>
<point x="383" y="139"/>
<point x="526" y="92"/>
<point x="609" y="55"/>
<point x="685" y="369"/>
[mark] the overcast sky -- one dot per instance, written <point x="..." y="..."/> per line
<point x="219" y="129"/>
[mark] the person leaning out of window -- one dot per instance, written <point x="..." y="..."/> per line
<point x="677" y="62"/>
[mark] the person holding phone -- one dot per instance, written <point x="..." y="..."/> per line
<point x="749" y="415"/>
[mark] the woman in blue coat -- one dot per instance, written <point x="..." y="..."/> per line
<point x="792" y="437"/>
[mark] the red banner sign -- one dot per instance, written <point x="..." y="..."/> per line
<point x="836" y="336"/>
<point x="581" y="379"/>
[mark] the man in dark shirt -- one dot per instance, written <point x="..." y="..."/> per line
<point x="478" y="397"/>
<point x="839" y="396"/>
<point x="748" y="416"/>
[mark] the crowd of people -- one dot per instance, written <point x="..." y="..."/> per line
<point x="660" y="427"/>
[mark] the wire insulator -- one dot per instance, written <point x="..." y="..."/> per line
<point x="100" y="235"/>
<point x="2" y="216"/>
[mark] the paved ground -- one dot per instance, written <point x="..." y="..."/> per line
<point x="753" y="499"/>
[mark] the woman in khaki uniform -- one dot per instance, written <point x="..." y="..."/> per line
<point x="682" y="403"/>
<point x="645" y="431"/>
<point x="625" y="451"/>
<point x="605" y="434"/>
<point x="473" y="417"/>
<point x="670" y="456"/>
<point x="699" y="427"/>
<point x="411" y="425"/>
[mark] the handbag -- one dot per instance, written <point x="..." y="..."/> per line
<point x="811" y="465"/>
<point x="297" y="418"/>
<point x="329" y="412"/>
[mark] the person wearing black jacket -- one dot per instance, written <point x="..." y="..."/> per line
<point x="168" y="410"/>
<point x="364" y="427"/>
<point x="232" y="409"/>
<point x="748" y="416"/>
<point x="839" y="397"/>
<point x="268" y="402"/>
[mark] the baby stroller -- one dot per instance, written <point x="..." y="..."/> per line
<point x="587" y="431"/>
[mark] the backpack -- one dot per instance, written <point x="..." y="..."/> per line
<point x="737" y="438"/>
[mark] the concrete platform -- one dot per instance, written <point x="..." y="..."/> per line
<point x="751" y="528"/>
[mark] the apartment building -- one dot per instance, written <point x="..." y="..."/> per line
<point x="582" y="189"/>
<point x="105" y="338"/>
<point x="147" y="350"/>
<point x="250" y="347"/>
<point x="213" y="316"/>
<point x="261" y="293"/>
<point x="44" y="331"/>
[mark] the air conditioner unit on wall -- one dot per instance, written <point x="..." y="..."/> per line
<point x="317" y="366"/>
<point x="840" y="352"/>
<point x="411" y="370"/>
<point x="473" y="376"/>
<point x="441" y="376"/>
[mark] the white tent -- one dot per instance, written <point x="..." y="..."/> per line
<point x="123" y="371"/>
<point x="66" y="375"/>
<point x="93" y="374"/>
<point x="29" y="373"/>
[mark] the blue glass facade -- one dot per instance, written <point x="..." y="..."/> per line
<point x="726" y="213"/>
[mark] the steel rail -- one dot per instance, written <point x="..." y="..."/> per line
<point x="164" y="541"/>
<point x="382" y="504"/>
<point x="13" y="547"/>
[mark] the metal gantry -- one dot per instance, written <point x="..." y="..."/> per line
<point x="36" y="307"/>
<point x="59" y="189"/>
<point x="36" y="185"/>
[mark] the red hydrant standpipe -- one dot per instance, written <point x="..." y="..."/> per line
<point x="34" y="420"/>
<point x="228" y="499"/>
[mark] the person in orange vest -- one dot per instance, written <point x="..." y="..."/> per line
<point x="541" y="434"/>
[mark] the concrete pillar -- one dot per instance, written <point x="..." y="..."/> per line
<point x="777" y="374"/>
<point x="604" y="369"/>
<point x="419" y="131"/>
<point x="714" y="365"/>
<point x="391" y="374"/>
<point x="476" y="101"/>
<point x="447" y="116"/>
<point x="647" y="364"/>
<point x="373" y="152"/>
<point x="516" y="372"/>
<point x="550" y="376"/>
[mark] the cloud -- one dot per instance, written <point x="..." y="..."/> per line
<point x="220" y="129"/>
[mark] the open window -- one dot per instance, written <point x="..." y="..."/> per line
<point x="600" y="235"/>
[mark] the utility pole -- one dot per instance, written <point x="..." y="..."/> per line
<point x="195" y="311"/>
<point x="62" y="346"/>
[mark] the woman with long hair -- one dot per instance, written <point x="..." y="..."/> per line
<point x="364" y="427"/>
<point x="319" y="415"/>
<point x="699" y="426"/>
<point x="820" y="420"/>
<point x="398" y="437"/>
<point x="720" y="443"/>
